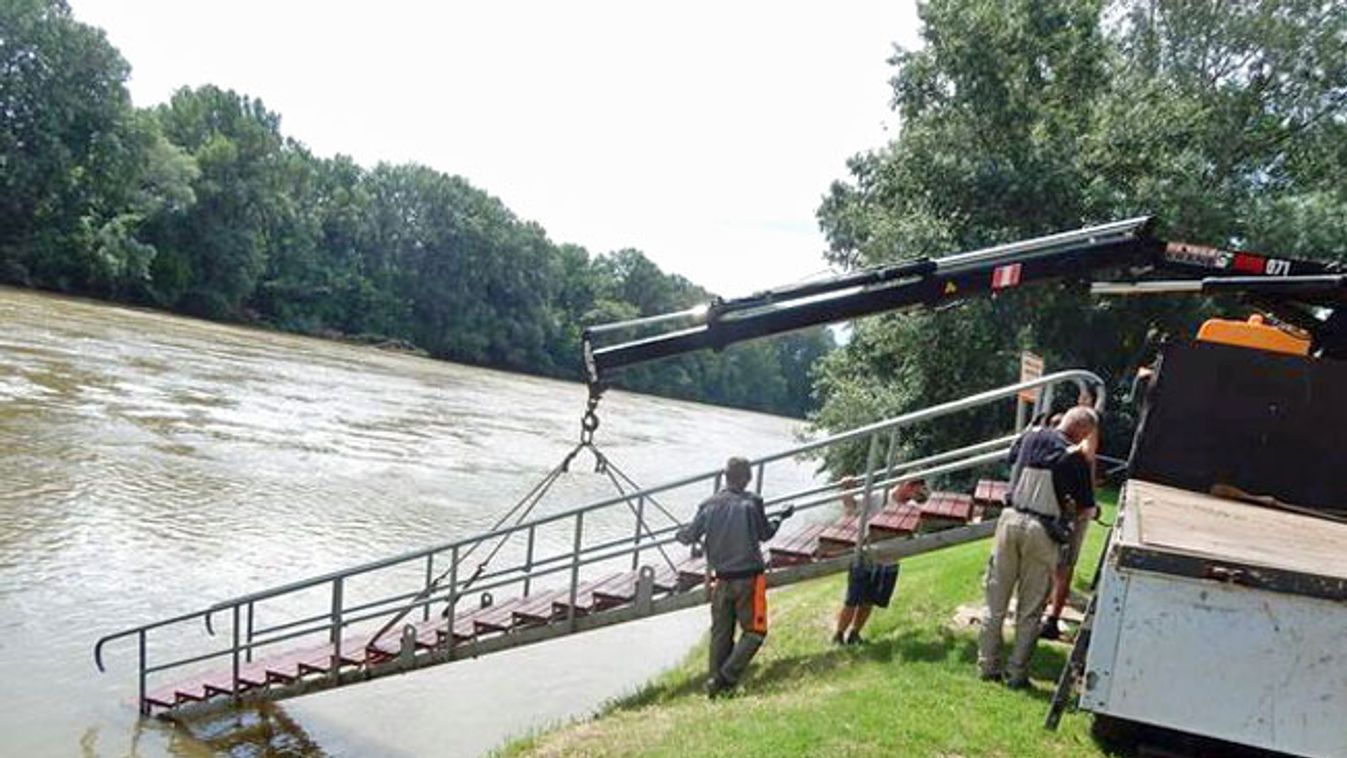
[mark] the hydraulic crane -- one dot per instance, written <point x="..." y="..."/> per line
<point x="1222" y="593"/>
<point x="1305" y="294"/>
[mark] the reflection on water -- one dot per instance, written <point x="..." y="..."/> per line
<point x="153" y="464"/>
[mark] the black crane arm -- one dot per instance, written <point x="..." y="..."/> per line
<point x="1128" y="246"/>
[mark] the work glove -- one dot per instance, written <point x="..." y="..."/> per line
<point x="787" y="513"/>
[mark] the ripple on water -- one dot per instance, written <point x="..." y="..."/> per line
<point x="154" y="465"/>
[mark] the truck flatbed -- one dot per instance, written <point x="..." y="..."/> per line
<point x="1175" y="531"/>
<point x="1223" y="619"/>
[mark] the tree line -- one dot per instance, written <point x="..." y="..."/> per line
<point x="203" y="206"/>
<point x="1227" y="121"/>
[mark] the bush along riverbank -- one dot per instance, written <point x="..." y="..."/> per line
<point x="911" y="690"/>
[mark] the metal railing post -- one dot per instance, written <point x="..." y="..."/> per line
<point x="334" y="635"/>
<point x="430" y="578"/>
<point x="248" y="654"/>
<point x="863" y="522"/>
<point x="762" y="469"/>
<point x="575" y="568"/>
<point x="453" y="596"/>
<point x="889" y="462"/>
<point x="142" y="704"/>
<point x="528" y="561"/>
<point x="636" y="541"/>
<point x="234" y="679"/>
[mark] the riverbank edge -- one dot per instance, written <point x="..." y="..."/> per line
<point x="912" y="690"/>
<point x="382" y="345"/>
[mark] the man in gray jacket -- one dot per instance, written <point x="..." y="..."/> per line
<point x="733" y="524"/>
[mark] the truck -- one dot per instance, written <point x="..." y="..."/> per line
<point x="1221" y="598"/>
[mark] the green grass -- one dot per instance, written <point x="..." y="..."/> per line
<point x="912" y="691"/>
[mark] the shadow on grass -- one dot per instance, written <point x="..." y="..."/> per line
<point x="925" y="645"/>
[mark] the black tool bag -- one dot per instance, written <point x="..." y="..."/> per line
<point x="1059" y="528"/>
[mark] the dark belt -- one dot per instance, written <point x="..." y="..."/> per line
<point x="745" y="574"/>
<point x="1030" y="512"/>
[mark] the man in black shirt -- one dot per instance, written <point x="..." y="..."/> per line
<point x="1050" y="482"/>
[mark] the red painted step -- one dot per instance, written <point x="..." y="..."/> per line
<point x="623" y="591"/>
<point x="429" y="634"/>
<point x="944" y="510"/>
<point x="537" y="608"/>
<point x="495" y="618"/>
<point x="691" y="573"/>
<point x="282" y="667"/>
<point x="991" y="492"/>
<point x="588" y="598"/>
<point x="797" y="547"/>
<point x="893" y="521"/>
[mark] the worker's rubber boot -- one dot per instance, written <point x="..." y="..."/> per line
<point x="716" y="687"/>
<point x="744" y="650"/>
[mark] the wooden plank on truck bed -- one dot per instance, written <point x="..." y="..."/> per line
<point x="1189" y="533"/>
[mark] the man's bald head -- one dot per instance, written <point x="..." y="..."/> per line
<point x="1078" y="423"/>
<point x="738" y="473"/>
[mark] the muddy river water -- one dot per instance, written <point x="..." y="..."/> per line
<point x="150" y="465"/>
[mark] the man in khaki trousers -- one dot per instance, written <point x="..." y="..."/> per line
<point x="1051" y="482"/>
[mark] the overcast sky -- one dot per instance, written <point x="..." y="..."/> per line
<point x="704" y="134"/>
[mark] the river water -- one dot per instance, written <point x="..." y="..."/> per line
<point x="151" y="465"/>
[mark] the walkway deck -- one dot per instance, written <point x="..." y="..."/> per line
<point x="803" y="552"/>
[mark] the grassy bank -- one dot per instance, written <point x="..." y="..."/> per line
<point x="912" y="691"/>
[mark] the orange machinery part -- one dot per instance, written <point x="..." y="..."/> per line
<point x="1255" y="333"/>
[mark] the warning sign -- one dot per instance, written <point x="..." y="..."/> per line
<point x="1006" y="276"/>
<point x="1031" y="367"/>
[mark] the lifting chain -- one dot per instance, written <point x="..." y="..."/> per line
<point x="589" y="422"/>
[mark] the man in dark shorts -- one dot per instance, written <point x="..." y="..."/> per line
<point x="869" y="583"/>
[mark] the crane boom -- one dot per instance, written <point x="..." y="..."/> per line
<point x="1128" y="246"/>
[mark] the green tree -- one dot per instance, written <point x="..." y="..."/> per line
<point x="80" y="170"/>
<point x="1021" y="118"/>
<point x="212" y="255"/>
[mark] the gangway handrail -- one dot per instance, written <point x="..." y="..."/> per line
<point x="665" y="533"/>
<point x="878" y="475"/>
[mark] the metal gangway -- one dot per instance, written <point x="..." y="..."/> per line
<point x="407" y="612"/>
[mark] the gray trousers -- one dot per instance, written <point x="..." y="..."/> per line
<point x="1022" y="564"/>
<point x="741" y="603"/>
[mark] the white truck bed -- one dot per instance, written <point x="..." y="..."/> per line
<point x="1223" y="619"/>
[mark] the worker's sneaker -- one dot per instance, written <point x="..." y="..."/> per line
<point x="837" y="639"/>
<point x="990" y="676"/>
<point x="1051" y="630"/>
<point x="855" y="638"/>
<point x="1018" y="683"/>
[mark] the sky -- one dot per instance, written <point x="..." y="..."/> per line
<point x="703" y="133"/>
